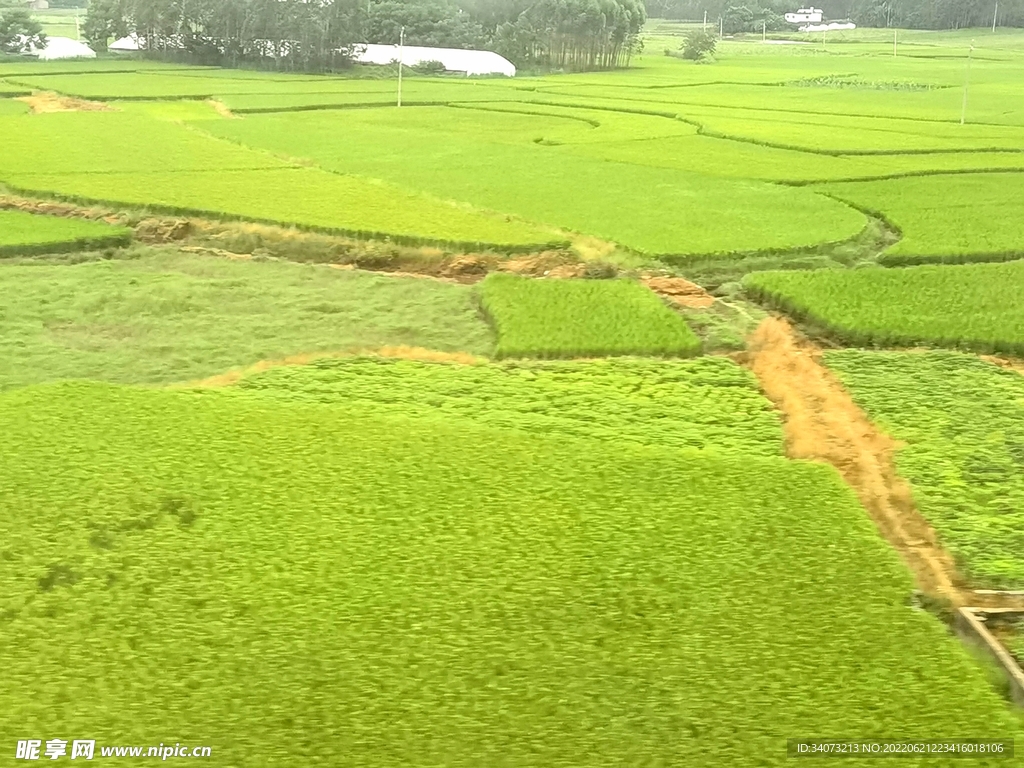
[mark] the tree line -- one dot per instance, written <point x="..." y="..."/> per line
<point x="321" y="35"/>
<point x="907" y="14"/>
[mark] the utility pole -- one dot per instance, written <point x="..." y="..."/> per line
<point x="705" y="21"/>
<point x="967" y="86"/>
<point x="721" y="26"/>
<point x="401" y="60"/>
<point x="764" y="31"/>
<point x="995" y="17"/>
<point x="895" y="38"/>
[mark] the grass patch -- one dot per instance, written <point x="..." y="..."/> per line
<point x="973" y="306"/>
<point x="581" y="318"/>
<point x="162" y="316"/>
<point x="962" y="421"/>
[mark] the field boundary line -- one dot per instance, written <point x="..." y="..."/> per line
<point x="970" y="625"/>
<point x="404" y="352"/>
<point x="788" y="110"/>
<point x="904" y="175"/>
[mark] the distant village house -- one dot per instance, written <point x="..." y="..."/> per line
<point x="37" y="5"/>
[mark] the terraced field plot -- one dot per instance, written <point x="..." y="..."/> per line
<point x="22" y="233"/>
<point x="582" y="318"/>
<point x="657" y="210"/>
<point x="707" y="403"/>
<point x="468" y="605"/>
<point x="974" y="306"/>
<point x="962" y="421"/>
<point x="162" y="164"/>
<point x="166" y="317"/>
<point x="945" y="218"/>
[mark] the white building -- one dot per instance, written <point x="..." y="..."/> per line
<point x="125" y="44"/>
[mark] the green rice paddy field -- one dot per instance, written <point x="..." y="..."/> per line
<point x="761" y="151"/>
<point x="321" y="516"/>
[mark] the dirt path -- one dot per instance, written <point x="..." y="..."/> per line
<point x="823" y="423"/>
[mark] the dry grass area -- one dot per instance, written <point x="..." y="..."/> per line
<point x="223" y="110"/>
<point x="45" y="102"/>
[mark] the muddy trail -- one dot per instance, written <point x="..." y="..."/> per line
<point x="822" y="423"/>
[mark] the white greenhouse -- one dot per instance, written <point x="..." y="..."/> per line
<point x="453" y="59"/>
<point x="128" y="44"/>
<point x="63" y="48"/>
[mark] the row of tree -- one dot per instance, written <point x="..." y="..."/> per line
<point x="738" y="15"/>
<point x="574" y="34"/>
<point x="319" y="35"/>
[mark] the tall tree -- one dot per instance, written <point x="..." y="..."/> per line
<point x="19" y="32"/>
<point x="437" y="23"/>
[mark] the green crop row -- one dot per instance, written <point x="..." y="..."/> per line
<point x="322" y="584"/>
<point x="962" y="423"/>
<point x="973" y="306"/>
<point x="709" y="402"/>
<point x="24" y="233"/>
<point x="582" y="318"/>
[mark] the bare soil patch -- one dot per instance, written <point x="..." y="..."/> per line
<point x="45" y="102"/>
<point x="65" y="210"/>
<point x="679" y="291"/>
<point x="1012" y="364"/>
<point x="545" y="264"/>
